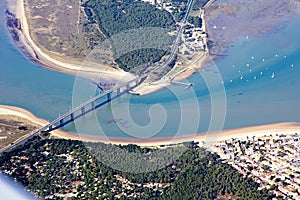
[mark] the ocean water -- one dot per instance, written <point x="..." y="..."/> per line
<point x="265" y="69"/>
<point x="256" y="83"/>
<point x="260" y="75"/>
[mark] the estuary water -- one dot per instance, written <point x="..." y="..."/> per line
<point x="259" y="78"/>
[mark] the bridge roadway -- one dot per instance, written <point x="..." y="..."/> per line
<point x="114" y="93"/>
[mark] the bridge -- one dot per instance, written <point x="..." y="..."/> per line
<point x="98" y="101"/>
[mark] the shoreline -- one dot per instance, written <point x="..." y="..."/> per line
<point x="24" y="114"/>
<point x="206" y="138"/>
<point x="34" y="53"/>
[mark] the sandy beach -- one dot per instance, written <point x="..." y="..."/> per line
<point x="207" y="138"/>
<point x="37" y="55"/>
<point x="203" y="138"/>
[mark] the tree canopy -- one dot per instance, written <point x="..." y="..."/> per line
<point x="51" y="167"/>
<point x="114" y="17"/>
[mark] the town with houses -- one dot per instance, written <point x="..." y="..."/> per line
<point x="273" y="161"/>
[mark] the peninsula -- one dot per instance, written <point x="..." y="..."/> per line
<point x="65" y="37"/>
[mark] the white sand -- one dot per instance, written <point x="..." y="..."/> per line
<point x="257" y="131"/>
<point x="19" y="112"/>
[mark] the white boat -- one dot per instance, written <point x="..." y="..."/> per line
<point x="273" y="75"/>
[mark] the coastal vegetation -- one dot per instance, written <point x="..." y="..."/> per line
<point x="13" y="128"/>
<point x="57" y="169"/>
<point x="114" y="17"/>
<point x="134" y="60"/>
<point x="179" y="8"/>
<point x="197" y="21"/>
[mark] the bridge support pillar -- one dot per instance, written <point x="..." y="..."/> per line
<point x="109" y="96"/>
<point x="61" y="122"/>
<point x="50" y="127"/>
<point x="137" y="82"/>
<point x="82" y="110"/>
<point x="127" y="87"/>
<point x="72" y="116"/>
<point x="118" y="91"/>
<point x="93" y="105"/>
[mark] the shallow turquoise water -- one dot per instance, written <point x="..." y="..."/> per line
<point x="260" y="74"/>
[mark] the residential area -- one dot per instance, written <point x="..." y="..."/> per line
<point x="273" y="161"/>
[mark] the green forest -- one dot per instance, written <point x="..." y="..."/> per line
<point x="134" y="60"/>
<point x="51" y="168"/>
<point x="114" y="17"/>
